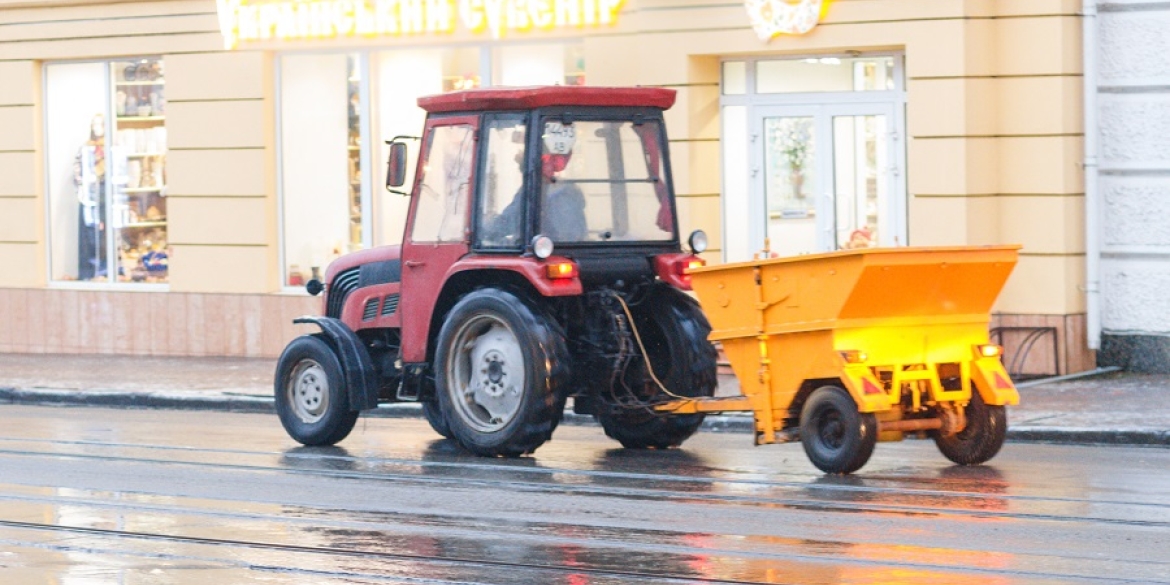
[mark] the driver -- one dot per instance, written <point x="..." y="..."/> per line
<point x="562" y="209"/>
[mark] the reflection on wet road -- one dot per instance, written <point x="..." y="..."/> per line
<point x="91" y="496"/>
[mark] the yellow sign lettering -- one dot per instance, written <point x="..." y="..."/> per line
<point x="243" y="21"/>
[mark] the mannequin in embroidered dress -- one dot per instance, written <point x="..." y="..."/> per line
<point x="89" y="174"/>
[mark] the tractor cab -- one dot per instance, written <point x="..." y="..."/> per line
<point x="582" y="171"/>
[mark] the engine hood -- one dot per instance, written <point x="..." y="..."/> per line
<point x="355" y="259"/>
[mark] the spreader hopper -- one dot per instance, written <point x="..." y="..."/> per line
<point x="901" y="333"/>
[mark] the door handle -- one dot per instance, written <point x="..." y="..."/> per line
<point x="414" y="263"/>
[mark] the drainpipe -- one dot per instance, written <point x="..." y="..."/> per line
<point x="1092" y="204"/>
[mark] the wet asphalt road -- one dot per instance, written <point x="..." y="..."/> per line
<point x="95" y="496"/>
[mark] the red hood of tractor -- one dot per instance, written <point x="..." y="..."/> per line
<point x="360" y="257"/>
<point x="526" y="98"/>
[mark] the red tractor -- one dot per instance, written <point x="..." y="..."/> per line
<point x="541" y="261"/>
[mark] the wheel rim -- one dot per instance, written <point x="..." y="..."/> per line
<point x="831" y="429"/>
<point x="485" y="374"/>
<point x="308" y="391"/>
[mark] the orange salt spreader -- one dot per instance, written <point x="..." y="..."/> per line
<point x="844" y="349"/>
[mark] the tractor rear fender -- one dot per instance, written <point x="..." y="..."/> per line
<point x="526" y="276"/>
<point x="361" y="380"/>
<point x="993" y="383"/>
<point x="533" y="270"/>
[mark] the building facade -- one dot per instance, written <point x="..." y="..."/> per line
<point x="171" y="172"/>
<point x="1128" y="75"/>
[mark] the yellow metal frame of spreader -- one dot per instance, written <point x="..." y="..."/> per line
<point x="852" y="318"/>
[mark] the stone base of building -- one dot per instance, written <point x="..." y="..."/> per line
<point x="260" y="325"/>
<point x="150" y="323"/>
<point x="1146" y="354"/>
<point x="1043" y="345"/>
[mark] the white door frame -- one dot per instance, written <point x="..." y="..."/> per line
<point x="823" y="105"/>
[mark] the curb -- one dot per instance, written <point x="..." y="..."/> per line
<point x="741" y="423"/>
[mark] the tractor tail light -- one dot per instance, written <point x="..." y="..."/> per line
<point x="988" y="350"/>
<point x="674" y="269"/>
<point x="684" y="267"/>
<point x="561" y="270"/>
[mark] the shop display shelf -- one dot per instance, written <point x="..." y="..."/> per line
<point x="144" y="154"/>
<point x="140" y="120"/>
<point x="144" y="189"/>
<point x="146" y="224"/>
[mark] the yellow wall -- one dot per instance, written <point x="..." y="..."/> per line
<point x="21" y="209"/>
<point x="222" y="167"/>
<point x="993" y="120"/>
<point x="994" y="117"/>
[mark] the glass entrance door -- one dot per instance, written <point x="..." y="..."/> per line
<point x="824" y="177"/>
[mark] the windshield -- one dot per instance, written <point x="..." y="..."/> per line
<point x="604" y="181"/>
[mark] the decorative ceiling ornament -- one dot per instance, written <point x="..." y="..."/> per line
<point x="774" y="17"/>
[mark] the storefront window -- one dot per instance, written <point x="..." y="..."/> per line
<point x="825" y="74"/>
<point x="400" y="78"/>
<point x="320" y="172"/>
<point x="332" y="171"/>
<point x="544" y="64"/>
<point x="107" y="198"/>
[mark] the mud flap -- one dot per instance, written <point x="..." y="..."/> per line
<point x="361" y="380"/>
<point x="992" y="381"/>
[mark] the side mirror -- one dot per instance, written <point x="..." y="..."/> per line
<point x="396" y="166"/>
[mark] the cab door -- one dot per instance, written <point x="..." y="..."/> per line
<point x="437" y="231"/>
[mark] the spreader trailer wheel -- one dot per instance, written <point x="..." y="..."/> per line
<point x="981" y="439"/>
<point x="836" y="437"/>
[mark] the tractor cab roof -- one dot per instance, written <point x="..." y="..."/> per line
<point x="527" y="98"/>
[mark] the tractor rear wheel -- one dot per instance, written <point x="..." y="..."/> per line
<point x="311" y="397"/>
<point x="501" y="374"/>
<point x="836" y="437"/>
<point x="981" y="439"/>
<point x="674" y="332"/>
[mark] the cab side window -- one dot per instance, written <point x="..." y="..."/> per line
<point x="501" y="200"/>
<point x="445" y="189"/>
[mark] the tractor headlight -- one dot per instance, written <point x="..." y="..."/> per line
<point x="542" y="246"/>
<point x="698" y="241"/>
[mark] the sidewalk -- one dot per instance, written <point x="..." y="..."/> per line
<point x="1117" y="408"/>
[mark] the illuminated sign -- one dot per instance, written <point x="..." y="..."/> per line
<point x="775" y="17"/>
<point x="245" y="21"/>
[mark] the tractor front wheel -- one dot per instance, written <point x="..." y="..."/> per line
<point x="311" y="397"/>
<point x="501" y="374"/>
<point x="435" y="418"/>
<point x="981" y="439"/>
<point x="836" y="437"/>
